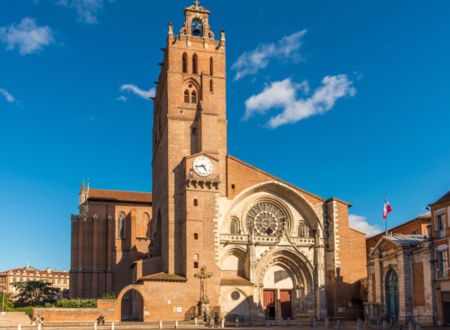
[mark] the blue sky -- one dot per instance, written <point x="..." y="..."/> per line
<point x="360" y="90"/>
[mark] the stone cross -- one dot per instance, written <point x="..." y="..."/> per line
<point x="203" y="275"/>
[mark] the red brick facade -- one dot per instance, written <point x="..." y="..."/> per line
<point x="257" y="235"/>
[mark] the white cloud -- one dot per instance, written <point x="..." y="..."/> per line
<point x="28" y="37"/>
<point x="122" y="98"/>
<point x="7" y="95"/>
<point x="283" y="94"/>
<point x="136" y="90"/>
<point x="87" y="10"/>
<point x="360" y="223"/>
<point x="249" y="63"/>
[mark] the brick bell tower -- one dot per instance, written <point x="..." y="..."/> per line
<point x="189" y="148"/>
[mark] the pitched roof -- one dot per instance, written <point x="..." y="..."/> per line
<point x="403" y="240"/>
<point x="276" y="178"/>
<point x="162" y="277"/>
<point x="443" y="199"/>
<point x="33" y="270"/>
<point x="235" y="281"/>
<point x="406" y="239"/>
<point x="120" y="196"/>
<point x="424" y="217"/>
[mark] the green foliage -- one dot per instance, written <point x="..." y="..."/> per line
<point x="109" y="295"/>
<point x="77" y="303"/>
<point x="26" y="310"/>
<point x="35" y="294"/>
<point x="8" y="305"/>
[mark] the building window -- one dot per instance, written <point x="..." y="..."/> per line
<point x="443" y="263"/>
<point x="121" y="225"/>
<point x="194" y="97"/>
<point x="234" y="227"/>
<point x="196" y="259"/>
<point x="185" y="63"/>
<point x="429" y="231"/>
<point x="211" y="86"/>
<point x="233" y="186"/>
<point x="195" y="202"/>
<point x="186" y="96"/>
<point x="440" y="225"/>
<point x="195" y="64"/>
<point x="196" y="236"/>
<point x="211" y="66"/>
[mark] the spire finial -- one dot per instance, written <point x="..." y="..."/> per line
<point x="196" y="3"/>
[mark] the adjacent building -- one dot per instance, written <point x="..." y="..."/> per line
<point x="408" y="269"/>
<point x="111" y="232"/>
<point x="440" y="214"/>
<point x="400" y="274"/>
<point x="217" y="234"/>
<point x="58" y="279"/>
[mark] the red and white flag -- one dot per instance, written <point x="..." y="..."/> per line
<point x="387" y="208"/>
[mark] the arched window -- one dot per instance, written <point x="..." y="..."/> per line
<point x="121" y="225"/>
<point x="211" y="85"/>
<point x="195" y="64"/>
<point x="194" y="97"/>
<point x="147" y="226"/>
<point x="186" y="96"/>
<point x="234" y="227"/>
<point x="301" y="230"/>
<point x="211" y="66"/>
<point x="185" y="63"/>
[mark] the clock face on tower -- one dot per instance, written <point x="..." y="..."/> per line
<point x="203" y="166"/>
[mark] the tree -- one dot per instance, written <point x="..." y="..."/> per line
<point x="35" y="293"/>
<point x="5" y="302"/>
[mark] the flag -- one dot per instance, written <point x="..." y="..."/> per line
<point x="387" y="208"/>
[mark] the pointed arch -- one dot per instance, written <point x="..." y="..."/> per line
<point x="285" y="193"/>
<point x="186" y="96"/>
<point x="121" y="225"/>
<point x="195" y="64"/>
<point x="184" y="64"/>
<point x="194" y="97"/>
<point x="296" y="264"/>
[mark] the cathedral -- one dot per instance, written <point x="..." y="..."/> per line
<point x="216" y="234"/>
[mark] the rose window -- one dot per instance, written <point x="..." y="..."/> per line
<point x="266" y="219"/>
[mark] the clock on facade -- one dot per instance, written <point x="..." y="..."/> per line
<point x="203" y="166"/>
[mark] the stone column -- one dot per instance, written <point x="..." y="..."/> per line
<point x="407" y="285"/>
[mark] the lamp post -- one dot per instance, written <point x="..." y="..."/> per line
<point x="203" y="275"/>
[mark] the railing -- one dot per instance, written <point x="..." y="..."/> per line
<point x="303" y="241"/>
<point x="234" y="238"/>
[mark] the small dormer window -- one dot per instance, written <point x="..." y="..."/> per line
<point x="197" y="28"/>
